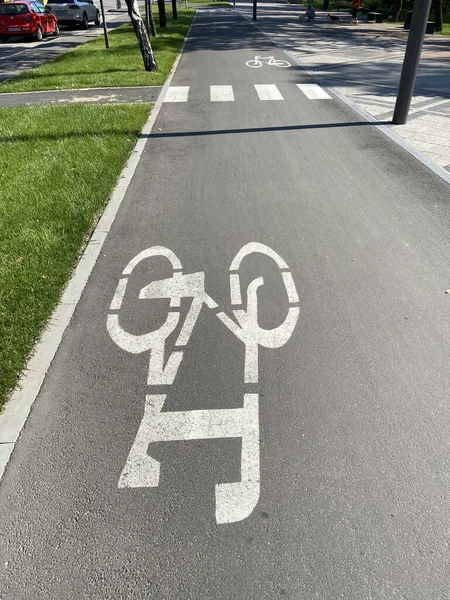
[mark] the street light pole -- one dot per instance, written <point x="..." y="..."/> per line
<point x="411" y="61"/>
<point x="254" y="10"/>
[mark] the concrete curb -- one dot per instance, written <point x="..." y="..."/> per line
<point x="18" y="407"/>
<point x="438" y="170"/>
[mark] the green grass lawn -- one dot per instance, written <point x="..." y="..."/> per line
<point x="92" y="65"/>
<point x="58" y="166"/>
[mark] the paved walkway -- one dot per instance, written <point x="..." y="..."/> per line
<point x="115" y="95"/>
<point x="364" y="62"/>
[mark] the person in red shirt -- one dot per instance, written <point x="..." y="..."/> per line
<point x="356" y="5"/>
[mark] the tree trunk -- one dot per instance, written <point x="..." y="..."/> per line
<point x="438" y="16"/>
<point x="162" y="13"/>
<point x="174" y="10"/>
<point x="142" y="37"/>
<point x="397" y="9"/>
<point x="152" y="19"/>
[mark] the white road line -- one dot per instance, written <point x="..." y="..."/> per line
<point x="222" y="93"/>
<point x="313" y="91"/>
<point x="177" y="93"/>
<point x="268" y="92"/>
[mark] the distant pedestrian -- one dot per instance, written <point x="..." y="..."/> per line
<point x="310" y="13"/>
<point x="356" y="5"/>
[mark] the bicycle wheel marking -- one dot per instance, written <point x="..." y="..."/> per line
<point x="234" y="501"/>
<point x="270" y="61"/>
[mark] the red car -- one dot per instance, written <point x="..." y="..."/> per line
<point x="26" y="18"/>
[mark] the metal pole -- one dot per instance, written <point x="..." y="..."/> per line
<point x="254" y="9"/>
<point x="105" y="28"/>
<point x="411" y="61"/>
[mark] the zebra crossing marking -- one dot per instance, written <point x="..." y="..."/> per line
<point x="177" y="93"/>
<point x="221" y="93"/>
<point x="225" y="93"/>
<point x="268" y="92"/>
<point x="313" y="91"/>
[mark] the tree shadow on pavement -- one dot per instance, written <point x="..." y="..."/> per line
<point x="344" y="57"/>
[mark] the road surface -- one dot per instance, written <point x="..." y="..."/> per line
<point x="284" y="432"/>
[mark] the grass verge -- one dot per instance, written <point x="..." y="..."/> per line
<point x="92" y="65"/>
<point x="58" y="165"/>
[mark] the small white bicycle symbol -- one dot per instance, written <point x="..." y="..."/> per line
<point x="270" y="60"/>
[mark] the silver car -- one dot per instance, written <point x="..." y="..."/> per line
<point x="76" y="12"/>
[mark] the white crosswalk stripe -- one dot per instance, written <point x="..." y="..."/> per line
<point x="222" y="93"/>
<point x="313" y="91"/>
<point x="268" y="92"/>
<point x="177" y="93"/>
<point x="225" y="93"/>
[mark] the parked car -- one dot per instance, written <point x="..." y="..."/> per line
<point x="76" y="12"/>
<point x="26" y="19"/>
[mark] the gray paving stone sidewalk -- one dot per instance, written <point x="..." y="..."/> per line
<point x="364" y="63"/>
<point x="116" y="95"/>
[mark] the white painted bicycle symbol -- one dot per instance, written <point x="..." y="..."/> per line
<point x="234" y="501"/>
<point x="258" y="62"/>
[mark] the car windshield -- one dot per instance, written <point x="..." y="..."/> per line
<point x="13" y="9"/>
<point x="61" y="2"/>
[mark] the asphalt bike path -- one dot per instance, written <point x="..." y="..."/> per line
<point x="251" y="399"/>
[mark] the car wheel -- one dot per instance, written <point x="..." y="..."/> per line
<point x="56" y="30"/>
<point x="85" y="23"/>
<point x="4" y="38"/>
<point x="97" y="19"/>
<point x="38" y="35"/>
